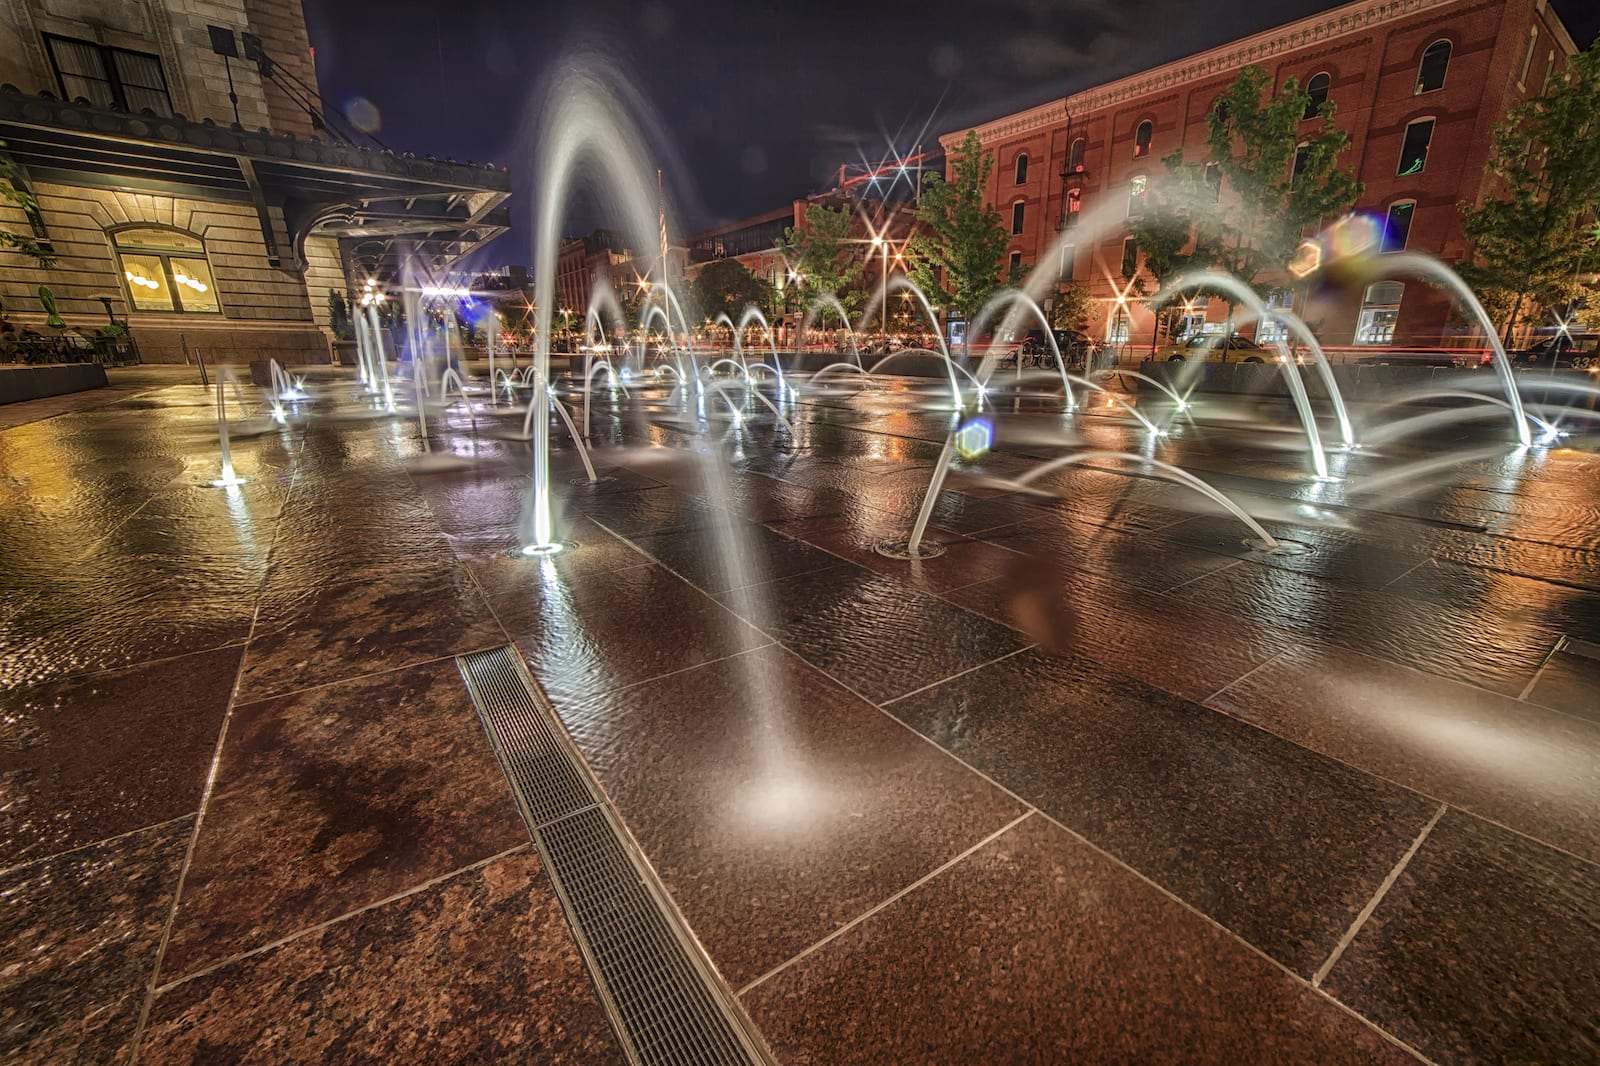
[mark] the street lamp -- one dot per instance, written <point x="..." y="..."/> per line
<point x="883" y="324"/>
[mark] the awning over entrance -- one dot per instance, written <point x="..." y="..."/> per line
<point x="382" y="206"/>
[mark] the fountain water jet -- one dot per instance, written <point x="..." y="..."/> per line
<point x="1012" y="298"/>
<point x="1265" y="541"/>
<point x="821" y="303"/>
<point x="228" y="478"/>
<point x="1426" y="267"/>
<point x="1242" y="294"/>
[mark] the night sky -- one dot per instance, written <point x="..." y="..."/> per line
<point x="758" y="103"/>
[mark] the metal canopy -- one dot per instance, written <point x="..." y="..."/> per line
<point x="431" y="209"/>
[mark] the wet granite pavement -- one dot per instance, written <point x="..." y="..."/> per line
<point x="1223" y="807"/>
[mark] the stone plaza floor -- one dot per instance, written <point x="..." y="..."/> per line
<point x="1341" y="806"/>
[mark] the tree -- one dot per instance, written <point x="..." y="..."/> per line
<point x="1529" y="247"/>
<point x="1073" y="305"/>
<point x="823" y="256"/>
<point x="957" y="256"/>
<point x="725" y="286"/>
<point x="21" y="243"/>
<point x="1277" y="179"/>
<point x="1176" y="232"/>
<point x="339" y="316"/>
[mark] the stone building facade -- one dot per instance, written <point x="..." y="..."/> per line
<point x="1419" y="86"/>
<point x="188" y="180"/>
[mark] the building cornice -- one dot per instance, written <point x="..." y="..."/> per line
<point x="1048" y="114"/>
<point x="46" y="112"/>
<point x="1328" y="26"/>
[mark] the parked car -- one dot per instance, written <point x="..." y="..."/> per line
<point x="1562" y="352"/>
<point x="1213" y="348"/>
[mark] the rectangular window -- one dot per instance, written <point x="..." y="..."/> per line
<point x="1380" y="311"/>
<point x="81" y="71"/>
<point x="143" y="85"/>
<point x="1414" y="150"/>
<point x="1527" y="57"/>
<point x="194" y="286"/>
<point x="1016" y="261"/>
<point x="1300" y="155"/>
<point x="109" y="77"/>
<point x="1397" y="227"/>
<point x="1271" y="329"/>
<point x="1117" y="327"/>
<point x="1016" y="217"/>
<point x="1130" y="256"/>
<point x="1136" y="190"/>
<point x="147" y="282"/>
<point x="1549" y="72"/>
<point x="1214" y="180"/>
<point x="1069" y="261"/>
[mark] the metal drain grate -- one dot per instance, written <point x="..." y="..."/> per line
<point x="543" y="775"/>
<point x="666" y="1004"/>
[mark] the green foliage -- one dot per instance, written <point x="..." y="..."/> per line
<point x="52" y="317"/>
<point x="824" y="255"/>
<point x="957" y="257"/>
<point x="1530" y="246"/>
<point x="339" y="316"/>
<point x="1176" y="229"/>
<point x="1073" y="305"/>
<point x="21" y="243"/>
<point x="1266" y="207"/>
<point x="725" y="286"/>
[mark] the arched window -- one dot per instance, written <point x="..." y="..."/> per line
<point x="1431" y="71"/>
<point x="1142" y="136"/>
<point x="1317" y="89"/>
<point x="1022" y="168"/>
<point x="1018" y="209"/>
<point x="165" y="270"/>
<point x="1527" y="57"/>
<point x="1075" y="156"/>
<point x="1397" y="226"/>
<point x="1414" y="149"/>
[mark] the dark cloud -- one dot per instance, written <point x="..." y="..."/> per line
<point x="762" y="102"/>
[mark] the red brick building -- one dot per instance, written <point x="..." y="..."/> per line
<point x="1419" y="86"/>
<point x="882" y="199"/>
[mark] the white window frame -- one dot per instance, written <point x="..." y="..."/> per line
<point x="1527" y="57"/>
<point x="1140" y="151"/>
<point x="1427" y="149"/>
<point x="1375" y="326"/>
<point x="1388" y="213"/>
<point x="1450" y="54"/>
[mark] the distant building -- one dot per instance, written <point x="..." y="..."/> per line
<point x="1419" y="86"/>
<point x="882" y="197"/>
<point x="208" y="222"/>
